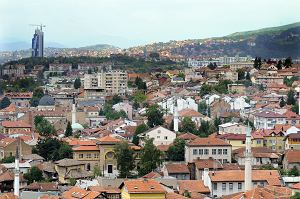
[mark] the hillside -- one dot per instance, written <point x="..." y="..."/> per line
<point x="279" y="41"/>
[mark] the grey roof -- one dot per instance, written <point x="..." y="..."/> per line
<point x="68" y="162"/>
<point x="78" y="174"/>
<point x="32" y="157"/>
<point x="47" y="100"/>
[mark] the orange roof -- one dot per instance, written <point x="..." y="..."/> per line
<point x="177" y="168"/>
<point x="152" y="174"/>
<point x="108" y="139"/>
<point x="10" y="108"/>
<point x="296" y="186"/>
<point x="134" y="147"/>
<point x="27" y="95"/>
<point x="271" y="176"/>
<point x="208" y="142"/>
<point x="86" y="148"/>
<point x="109" y="190"/>
<point x="143" y="186"/>
<point x="15" y="124"/>
<point x="171" y="195"/>
<point x="189" y="113"/>
<point x="292" y="156"/>
<point x="207" y="163"/>
<point x="8" y="196"/>
<point x="188" y="136"/>
<point x="76" y="192"/>
<point x="163" y="147"/>
<point x="6" y="141"/>
<point x="82" y="142"/>
<point x="196" y="186"/>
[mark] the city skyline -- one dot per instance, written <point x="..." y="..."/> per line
<point x="138" y="22"/>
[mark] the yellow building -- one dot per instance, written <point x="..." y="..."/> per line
<point x="239" y="140"/>
<point x="89" y="155"/>
<point x="273" y="139"/>
<point x="292" y="141"/>
<point x="144" y="188"/>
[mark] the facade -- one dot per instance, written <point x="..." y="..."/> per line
<point x="234" y="128"/>
<point x="178" y="171"/>
<point x="105" y="83"/>
<point x="13" y="70"/>
<point x="38" y="43"/>
<point x="8" y="147"/>
<point x="160" y="135"/>
<point x="291" y="159"/>
<point x="268" y="119"/>
<point x="206" y="148"/>
<point x="11" y="127"/>
<point x="20" y="99"/>
<point x="292" y="141"/>
<point x="236" y="88"/>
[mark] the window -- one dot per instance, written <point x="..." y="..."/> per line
<point x="230" y="186"/>
<point x="88" y="155"/>
<point x="81" y="155"/>
<point x="220" y="151"/>
<point x="206" y="151"/>
<point x="215" y="186"/>
<point x="223" y="186"/>
<point x="166" y="137"/>
<point x="261" y="183"/>
<point x="258" y="141"/>
<point x="200" y="151"/>
<point x="195" y="151"/>
<point x="224" y="161"/>
<point x="243" y="142"/>
<point x="239" y="185"/>
<point x="214" y="151"/>
<point x="224" y="151"/>
<point x="96" y="155"/>
<point x="158" y="137"/>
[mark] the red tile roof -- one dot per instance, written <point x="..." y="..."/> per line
<point x="292" y="156"/>
<point x="188" y="136"/>
<point x="208" y="142"/>
<point x="196" y="186"/>
<point x="189" y="113"/>
<point x="143" y="186"/>
<point x="85" y="148"/>
<point x="177" y="168"/>
<point x="15" y="124"/>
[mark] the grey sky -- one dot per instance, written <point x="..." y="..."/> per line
<point x="131" y="22"/>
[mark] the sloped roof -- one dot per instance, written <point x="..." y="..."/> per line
<point x="143" y="186"/>
<point x="177" y="168"/>
<point x="208" y="142"/>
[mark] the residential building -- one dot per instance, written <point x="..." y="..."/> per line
<point x="239" y="140"/>
<point x="291" y="159"/>
<point x="145" y="188"/>
<point x="160" y="135"/>
<point x="8" y="147"/>
<point x="88" y="154"/>
<point x="292" y="141"/>
<point x="13" y="70"/>
<point x="60" y="67"/>
<point x="178" y="171"/>
<point x="195" y="188"/>
<point x="221" y="183"/>
<point x="105" y="83"/>
<point x="206" y="148"/>
<point x="264" y="80"/>
<point x="191" y="113"/>
<point x="236" y="88"/>
<point x="77" y="192"/>
<point x="11" y="127"/>
<point x="124" y="106"/>
<point x="20" y="99"/>
<point x="197" y="167"/>
<point x="268" y="119"/>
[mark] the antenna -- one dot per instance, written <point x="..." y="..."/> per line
<point x="38" y="25"/>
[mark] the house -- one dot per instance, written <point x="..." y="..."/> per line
<point x="7" y="181"/>
<point x="197" y="167"/>
<point x="195" y="188"/>
<point x="160" y="135"/>
<point x="268" y="119"/>
<point x="227" y="182"/>
<point x="87" y="154"/>
<point x="292" y="141"/>
<point x="145" y="188"/>
<point x="21" y="99"/>
<point x="218" y="107"/>
<point x="232" y="127"/>
<point x="70" y="169"/>
<point x="236" y="88"/>
<point x="260" y="156"/>
<point x="124" y="106"/>
<point x="178" y="171"/>
<point x="11" y="127"/>
<point x="273" y="139"/>
<point x="292" y="118"/>
<point x="239" y="140"/>
<point x="191" y="113"/>
<point x="106" y="192"/>
<point x="187" y="136"/>
<point x="48" y="169"/>
<point x="33" y="159"/>
<point x="37" y="189"/>
<point x="291" y="159"/>
<point x="205" y="148"/>
<point x="8" y="147"/>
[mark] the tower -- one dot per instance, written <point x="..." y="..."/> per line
<point x="73" y="111"/>
<point x="37" y="44"/>
<point x="175" y="115"/>
<point x="248" y="161"/>
<point x="17" y="171"/>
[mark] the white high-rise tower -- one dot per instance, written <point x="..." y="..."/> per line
<point x="248" y="161"/>
<point x="17" y="172"/>
<point x="176" y="118"/>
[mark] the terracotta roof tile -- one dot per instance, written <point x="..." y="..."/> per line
<point x="175" y="196"/>
<point x="292" y="156"/>
<point x="188" y="136"/>
<point x="196" y="186"/>
<point x="143" y="186"/>
<point x="108" y="140"/>
<point x="177" y="168"/>
<point x="15" y="124"/>
<point x="208" y="142"/>
<point x="85" y="148"/>
<point x="76" y="192"/>
<point x="189" y="113"/>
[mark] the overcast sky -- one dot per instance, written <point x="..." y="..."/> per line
<point x="126" y="23"/>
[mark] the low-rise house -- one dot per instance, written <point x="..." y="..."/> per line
<point x="197" y="167"/>
<point x="10" y="127"/>
<point x="20" y="99"/>
<point x="205" y="148"/>
<point x="160" y="135"/>
<point x="292" y="118"/>
<point x="33" y="159"/>
<point x="7" y="181"/>
<point x="273" y="139"/>
<point x="260" y="156"/>
<point x="106" y="192"/>
<point x="236" y="88"/>
<point x="187" y="137"/>
<point x="87" y="154"/>
<point x="126" y="107"/>
<point x="292" y="141"/>
<point x="145" y="188"/>
<point x="291" y="159"/>
<point x="268" y="119"/>
<point x="48" y="169"/>
<point x="218" y="107"/>
<point x="38" y="189"/>
<point x="194" y="188"/>
<point x="8" y="147"/>
<point x="191" y="113"/>
<point x="76" y="192"/>
<point x="232" y="127"/>
<point x="71" y="169"/>
<point x="239" y="140"/>
<point x="227" y="182"/>
<point x="178" y="171"/>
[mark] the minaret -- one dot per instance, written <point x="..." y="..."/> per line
<point x="73" y="111"/>
<point x="299" y="103"/>
<point x="17" y="172"/>
<point x="175" y="121"/>
<point x="248" y="161"/>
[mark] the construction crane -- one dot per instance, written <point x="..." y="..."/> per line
<point x="38" y="25"/>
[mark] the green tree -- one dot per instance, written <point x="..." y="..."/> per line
<point x="257" y="63"/>
<point x="248" y="76"/>
<point x="291" y="98"/>
<point x="45" y="128"/>
<point x="38" y="93"/>
<point x="139" y="129"/>
<point x="9" y="159"/>
<point x="116" y="99"/>
<point x="295" y="108"/>
<point x="77" y="83"/>
<point x="241" y="74"/>
<point x="288" y="62"/>
<point x="182" y="75"/>
<point x="5" y="102"/>
<point x="217" y="122"/>
<point x="205" y="89"/>
<point x="150" y="158"/>
<point x="204" y="129"/>
<point x="140" y="84"/>
<point x="125" y="159"/>
<point x="68" y="131"/>
<point x="176" y="151"/>
<point x="65" y="151"/>
<point x="155" y="116"/>
<point x="296" y="196"/>
<point x="139" y="97"/>
<point x="279" y="65"/>
<point x="202" y="108"/>
<point x="188" y="125"/>
<point x="293" y="172"/>
<point x="282" y="102"/>
<point x="34" y="175"/>
<point x="96" y="171"/>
